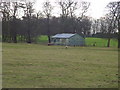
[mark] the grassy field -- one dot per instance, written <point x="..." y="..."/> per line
<point x="40" y="66"/>
<point x="100" y="42"/>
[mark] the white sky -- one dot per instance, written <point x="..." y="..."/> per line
<point x="96" y="10"/>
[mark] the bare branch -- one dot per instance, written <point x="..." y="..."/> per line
<point x="68" y="7"/>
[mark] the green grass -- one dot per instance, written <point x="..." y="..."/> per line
<point x="40" y="66"/>
<point x="101" y="42"/>
<point x="43" y="38"/>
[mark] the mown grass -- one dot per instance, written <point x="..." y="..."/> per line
<point x="40" y="66"/>
<point x="43" y="38"/>
<point x="101" y="42"/>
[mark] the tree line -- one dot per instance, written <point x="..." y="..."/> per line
<point x="31" y="24"/>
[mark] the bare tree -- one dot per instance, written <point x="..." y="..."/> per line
<point x="15" y="7"/>
<point x="83" y="19"/>
<point x="112" y="18"/>
<point x="68" y="8"/>
<point x="95" y="26"/>
<point x="84" y="8"/>
<point x="118" y="20"/>
<point x="5" y="15"/>
<point x="47" y="9"/>
<point x="28" y="11"/>
<point x="14" y="28"/>
<point x="9" y="14"/>
<point x="103" y="24"/>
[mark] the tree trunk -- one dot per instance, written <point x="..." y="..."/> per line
<point x="49" y="40"/>
<point x="119" y="39"/>
<point x="15" y="38"/>
<point x="108" y="44"/>
<point x="119" y="32"/>
<point x="63" y="24"/>
<point x="14" y="30"/>
<point x="118" y="20"/>
<point x="109" y="34"/>
<point x="48" y="29"/>
<point x="29" y="37"/>
<point x="28" y="31"/>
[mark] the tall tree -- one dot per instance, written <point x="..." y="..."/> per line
<point x="28" y="11"/>
<point x="103" y="25"/>
<point x="14" y="28"/>
<point x="68" y="8"/>
<point x="47" y="9"/>
<point x="9" y="17"/>
<point x="113" y="17"/>
<point x="5" y="15"/>
<point x="15" y="7"/>
<point x="118" y="20"/>
<point x="95" y="26"/>
<point x="83" y="19"/>
<point x="85" y="26"/>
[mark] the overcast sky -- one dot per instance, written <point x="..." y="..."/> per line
<point x="96" y="10"/>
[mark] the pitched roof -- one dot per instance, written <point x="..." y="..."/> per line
<point x="64" y="35"/>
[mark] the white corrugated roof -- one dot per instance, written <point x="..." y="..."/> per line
<point x="64" y="35"/>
